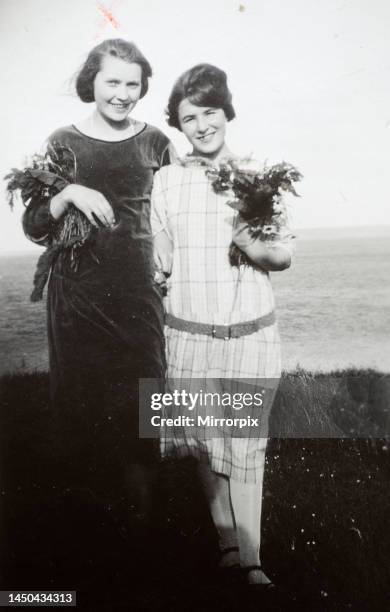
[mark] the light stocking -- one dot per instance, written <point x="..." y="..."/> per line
<point x="247" y="502"/>
<point x="216" y="489"/>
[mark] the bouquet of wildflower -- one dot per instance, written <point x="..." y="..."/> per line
<point x="42" y="178"/>
<point x="257" y="197"/>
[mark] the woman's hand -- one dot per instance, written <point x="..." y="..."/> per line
<point x="91" y="202"/>
<point x="163" y="252"/>
<point x="242" y="236"/>
<point x="268" y="257"/>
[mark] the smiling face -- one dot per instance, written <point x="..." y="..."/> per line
<point x="117" y="89"/>
<point x="204" y="127"/>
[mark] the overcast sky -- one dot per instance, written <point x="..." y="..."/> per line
<point x="310" y="83"/>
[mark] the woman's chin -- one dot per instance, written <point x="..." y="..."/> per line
<point x="209" y="153"/>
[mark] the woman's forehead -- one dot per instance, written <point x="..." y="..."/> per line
<point x="120" y="67"/>
<point x="186" y="107"/>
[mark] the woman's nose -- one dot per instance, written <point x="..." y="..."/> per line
<point x="122" y="93"/>
<point x="201" y="125"/>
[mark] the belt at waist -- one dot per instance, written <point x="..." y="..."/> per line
<point x="224" y="332"/>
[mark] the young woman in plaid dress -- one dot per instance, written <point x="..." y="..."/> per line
<point x="193" y="229"/>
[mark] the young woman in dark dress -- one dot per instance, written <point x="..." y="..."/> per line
<point x="105" y="318"/>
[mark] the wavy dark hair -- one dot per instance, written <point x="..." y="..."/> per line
<point x="203" y="85"/>
<point x="114" y="47"/>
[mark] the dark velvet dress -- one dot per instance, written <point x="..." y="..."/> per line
<point x="105" y="320"/>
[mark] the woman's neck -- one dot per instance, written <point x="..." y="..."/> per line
<point x="99" y="127"/>
<point x="216" y="156"/>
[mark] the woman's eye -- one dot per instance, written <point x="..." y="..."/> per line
<point x="210" y="112"/>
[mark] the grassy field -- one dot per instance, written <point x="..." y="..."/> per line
<point x="326" y="537"/>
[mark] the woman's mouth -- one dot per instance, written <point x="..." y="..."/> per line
<point x="120" y="106"/>
<point x="206" y="137"/>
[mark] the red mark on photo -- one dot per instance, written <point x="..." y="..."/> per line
<point x="108" y="16"/>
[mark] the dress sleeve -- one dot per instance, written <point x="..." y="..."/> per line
<point x="37" y="220"/>
<point x="284" y="238"/>
<point x="159" y="204"/>
<point x="169" y="155"/>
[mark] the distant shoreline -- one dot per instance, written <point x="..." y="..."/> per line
<point x="322" y="303"/>
<point x="304" y="233"/>
<point x="338" y="233"/>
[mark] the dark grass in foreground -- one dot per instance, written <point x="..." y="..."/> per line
<point x="326" y="537"/>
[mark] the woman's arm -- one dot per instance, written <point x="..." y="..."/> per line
<point x="91" y="202"/>
<point x="40" y="217"/>
<point x="159" y="218"/>
<point x="163" y="252"/>
<point x="37" y="221"/>
<point x="268" y="257"/>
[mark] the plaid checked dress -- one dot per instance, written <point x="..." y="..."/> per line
<point x="205" y="288"/>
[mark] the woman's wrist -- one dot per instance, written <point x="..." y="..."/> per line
<point x="262" y="254"/>
<point x="242" y="236"/>
<point x="59" y="204"/>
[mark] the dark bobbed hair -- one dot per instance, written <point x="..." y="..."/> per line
<point x="113" y="47"/>
<point x="203" y="85"/>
